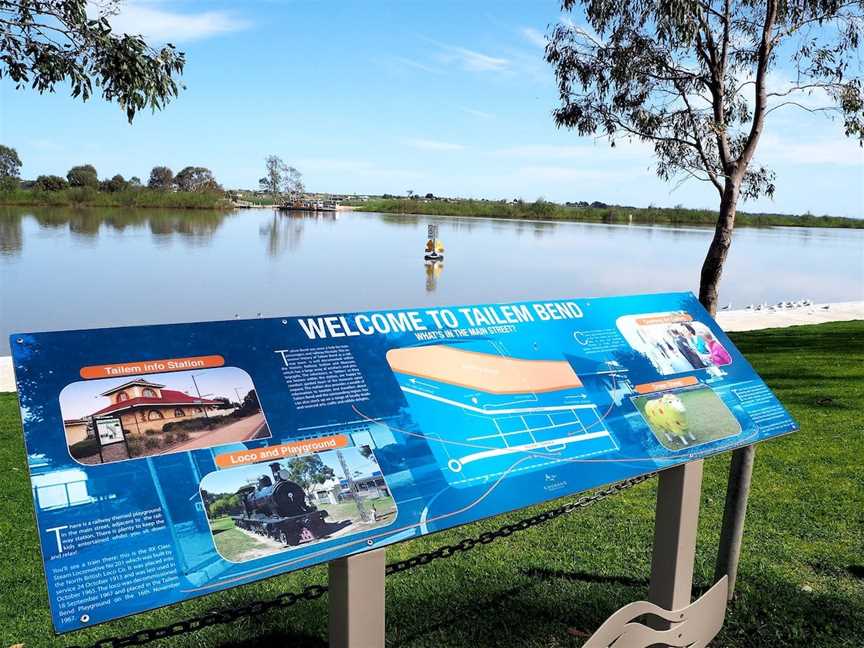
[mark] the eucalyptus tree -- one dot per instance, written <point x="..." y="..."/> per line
<point x="83" y="175"/>
<point x="161" y="178"/>
<point x="280" y="177"/>
<point x="10" y="163"/>
<point x="70" y="43"/>
<point x="196" y="179"/>
<point x="698" y="79"/>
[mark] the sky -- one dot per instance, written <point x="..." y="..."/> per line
<point x="452" y="98"/>
<point x="83" y="398"/>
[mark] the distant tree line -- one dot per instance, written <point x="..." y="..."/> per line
<point x="193" y="179"/>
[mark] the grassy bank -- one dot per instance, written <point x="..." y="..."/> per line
<point x="87" y="197"/>
<point x="608" y="214"/>
<point x="801" y="580"/>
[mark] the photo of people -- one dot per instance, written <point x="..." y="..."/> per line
<point x="264" y="508"/>
<point x="115" y="419"/>
<point x="674" y="342"/>
<point x="683" y="418"/>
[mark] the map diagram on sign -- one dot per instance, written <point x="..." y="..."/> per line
<point x="479" y="408"/>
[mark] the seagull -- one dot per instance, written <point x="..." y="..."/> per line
<point x="825" y="307"/>
<point x="727" y="306"/>
<point x="748" y="307"/>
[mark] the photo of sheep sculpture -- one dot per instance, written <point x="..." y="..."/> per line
<point x="668" y="414"/>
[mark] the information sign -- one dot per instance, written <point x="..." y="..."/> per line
<point x="258" y="447"/>
<point x="109" y="430"/>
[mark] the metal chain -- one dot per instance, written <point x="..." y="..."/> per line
<point x="312" y="592"/>
<point x="467" y="544"/>
<point x="214" y="617"/>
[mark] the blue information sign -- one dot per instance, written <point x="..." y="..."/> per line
<point x="168" y="462"/>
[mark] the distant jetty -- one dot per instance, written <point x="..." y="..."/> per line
<point x="307" y="205"/>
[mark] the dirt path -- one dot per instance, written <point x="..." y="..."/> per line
<point x="243" y="430"/>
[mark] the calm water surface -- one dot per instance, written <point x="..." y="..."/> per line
<point x="62" y="268"/>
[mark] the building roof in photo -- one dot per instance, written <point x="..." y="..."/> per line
<point x="169" y="397"/>
<point x="135" y="381"/>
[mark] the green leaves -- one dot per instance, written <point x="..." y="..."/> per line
<point x="692" y="77"/>
<point x="10" y="163"/>
<point x="44" y="43"/>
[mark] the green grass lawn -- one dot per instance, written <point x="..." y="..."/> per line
<point x="235" y="545"/>
<point x="801" y="580"/>
<point x="348" y="509"/>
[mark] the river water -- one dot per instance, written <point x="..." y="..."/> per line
<point x="66" y="268"/>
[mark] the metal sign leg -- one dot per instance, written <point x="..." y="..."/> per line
<point x="357" y="601"/>
<point x="675" y="525"/>
<point x="732" y="531"/>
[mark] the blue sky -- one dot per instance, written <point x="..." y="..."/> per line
<point x="448" y="97"/>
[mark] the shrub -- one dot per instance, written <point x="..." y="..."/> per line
<point x="84" y="448"/>
<point x="50" y="183"/>
<point x="136" y="446"/>
<point x="182" y="435"/>
<point x="83" y="176"/>
<point x="9" y="184"/>
<point x="168" y="438"/>
<point x="153" y="432"/>
<point x="81" y="195"/>
<point x="151" y="443"/>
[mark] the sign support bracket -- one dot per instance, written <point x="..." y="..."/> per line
<point x="356" y="591"/>
<point x="675" y="525"/>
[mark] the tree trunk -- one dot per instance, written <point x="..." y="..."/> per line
<point x="712" y="267"/>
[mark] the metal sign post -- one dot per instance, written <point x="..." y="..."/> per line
<point x="357" y="600"/>
<point x="675" y="523"/>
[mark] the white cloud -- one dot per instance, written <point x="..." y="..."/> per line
<point x="355" y="169"/>
<point x="478" y="62"/>
<point x="417" y="65"/>
<point x="469" y="59"/>
<point x="557" y="174"/>
<point x="533" y="36"/>
<point x="623" y="149"/>
<point x="432" y="145"/>
<point x="163" y="25"/>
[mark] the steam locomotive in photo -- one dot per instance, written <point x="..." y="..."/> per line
<point x="277" y="508"/>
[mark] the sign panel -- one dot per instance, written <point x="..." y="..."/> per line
<point x="109" y="430"/>
<point x="263" y="446"/>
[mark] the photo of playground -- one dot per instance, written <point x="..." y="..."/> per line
<point x="262" y="509"/>
<point x="116" y="419"/>
<point x="688" y="417"/>
<point x="674" y="342"/>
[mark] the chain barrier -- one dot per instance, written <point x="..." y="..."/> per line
<point x="312" y="592"/>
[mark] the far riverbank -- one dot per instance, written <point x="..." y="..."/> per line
<point x="594" y="213"/>
<point x="138" y="197"/>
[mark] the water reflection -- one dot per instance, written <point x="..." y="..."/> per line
<point x="88" y="224"/>
<point x="433" y="271"/>
<point x="55" y="263"/>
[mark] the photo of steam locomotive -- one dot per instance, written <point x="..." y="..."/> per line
<point x="256" y="510"/>
<point x="276" y="508"/>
